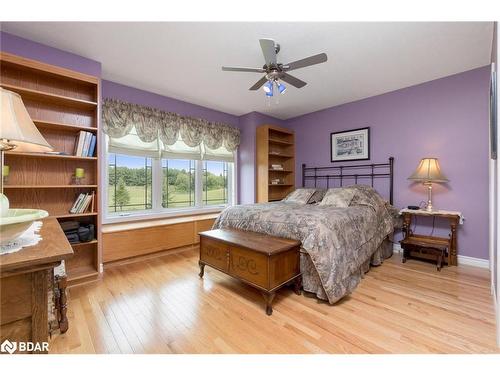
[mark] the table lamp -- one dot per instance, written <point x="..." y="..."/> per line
<point x="427" y="172"/>
<point x="17" y="133"/>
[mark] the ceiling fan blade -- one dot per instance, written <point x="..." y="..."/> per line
<point x="269" y="51"/>
<point x="308" y="61"/>
<point x="259" y="83"/>
<point x="293" y="80"/>
<point x="242" y="69"/>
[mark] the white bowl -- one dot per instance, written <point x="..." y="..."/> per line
<point x="17" y="221"/>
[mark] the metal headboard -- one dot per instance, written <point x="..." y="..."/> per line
<point x="354" y="172"/>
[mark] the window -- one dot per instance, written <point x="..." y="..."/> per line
<point x="129" y="183"/>
<point x="178" y="183"/>
<point x="215" y="184"/>
<point x="148" y="185"/>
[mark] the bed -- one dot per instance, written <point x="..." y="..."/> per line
<point x="338" y="244"/>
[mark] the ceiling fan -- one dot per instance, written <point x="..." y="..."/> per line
<point x="276" y="72"/>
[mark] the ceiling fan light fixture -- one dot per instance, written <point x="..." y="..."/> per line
<point x="281" y="87"/>
<point x="268" y="88"/>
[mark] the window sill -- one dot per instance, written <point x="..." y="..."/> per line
<point x="158" y="215"/>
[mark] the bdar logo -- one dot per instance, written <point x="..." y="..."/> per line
<point x="8" y="347"/>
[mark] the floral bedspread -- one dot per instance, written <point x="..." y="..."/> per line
<point x="338" y="240"/>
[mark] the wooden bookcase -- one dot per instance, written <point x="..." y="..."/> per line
<point x="60" y="102"/>
<point x="275" y="145"/>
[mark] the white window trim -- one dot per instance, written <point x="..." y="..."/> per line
<point x="158" y="212"/>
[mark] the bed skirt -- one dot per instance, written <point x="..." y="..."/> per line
<point x="310" y="279"/>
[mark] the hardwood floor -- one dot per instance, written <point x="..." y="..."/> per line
<point x="161" y="306"/>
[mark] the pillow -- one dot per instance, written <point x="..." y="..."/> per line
<point x="317" y="196"/>
<point x="338" y="197"/>
<point x="367" y="196"/>
<point x="301" y="195"/>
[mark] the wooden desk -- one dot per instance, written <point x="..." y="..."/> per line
<point x="415" y="240"/>
<point x="24" y="285"/>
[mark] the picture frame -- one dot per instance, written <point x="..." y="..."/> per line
<point x="350" y="145"/>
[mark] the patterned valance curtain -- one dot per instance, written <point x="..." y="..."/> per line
<point x="148" y="130"/>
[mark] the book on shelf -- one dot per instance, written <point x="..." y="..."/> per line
<point x="85" y="144"/>
<point x="79" y="143"/>
<point x="83" y="203"/>
<point x="93" y="142"/>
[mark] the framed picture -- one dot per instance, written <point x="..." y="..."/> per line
<point x="350" y="145"/>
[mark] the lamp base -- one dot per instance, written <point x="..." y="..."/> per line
<point x="429" y="207"/>
<point x="4" y="205"/>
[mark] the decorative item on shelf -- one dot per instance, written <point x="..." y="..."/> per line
<point x="427" y="172"/>
<point x="277" y="167"/>
<point x="79" y="176"/>
<point x="18" y="133"/>
<point x="77" y="232"/>
<point x="5" y="173"/>
<point x="277" y="181"/>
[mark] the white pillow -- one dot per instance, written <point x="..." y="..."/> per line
<point x="301" y="195"/>
<point x="338" y="197"/>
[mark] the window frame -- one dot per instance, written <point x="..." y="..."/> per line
<point x="157" y="211"/>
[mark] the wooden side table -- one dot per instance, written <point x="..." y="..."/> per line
<point x="445" y="249"/>
<point x="24" y="286"/>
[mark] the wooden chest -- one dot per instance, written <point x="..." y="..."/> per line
<point x="264" y="262"/>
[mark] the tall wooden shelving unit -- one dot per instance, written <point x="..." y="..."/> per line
<point x="275" y="145"/>
<point x="60" y="102"/>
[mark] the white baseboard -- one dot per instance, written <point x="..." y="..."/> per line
<point x="462" y="259"/>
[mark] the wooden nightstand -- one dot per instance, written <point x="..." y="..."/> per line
<point x="431" y="247"/>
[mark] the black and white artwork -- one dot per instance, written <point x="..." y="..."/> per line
<point x="350" y="145"/>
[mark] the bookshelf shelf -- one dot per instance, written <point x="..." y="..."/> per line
<point x="61" y="103"/>
<point x="56" y="156"/>
<point x="82" y="272"/>
<point x="49" y="186"/>
<point x="48" y="97"/>
<point x="280" y="142"/>
<point x="67" y="216"/>
<point x="82" y="244"/>
<point x="280" y="156"/>
<point x="58" y="126"/>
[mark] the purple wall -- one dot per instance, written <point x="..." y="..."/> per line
<point x="36" y="51"/>
<point x="246" y="154"/>
<point x="132" y="95"/>
<point x="446" y="118"/>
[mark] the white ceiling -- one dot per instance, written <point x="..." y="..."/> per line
<point x="183" y="60"/>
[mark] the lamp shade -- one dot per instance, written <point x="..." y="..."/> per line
<point x="16" y="127"/>
<point x="428" y="171"/>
